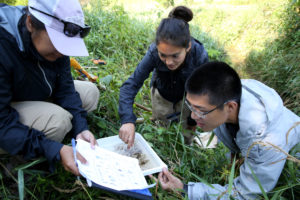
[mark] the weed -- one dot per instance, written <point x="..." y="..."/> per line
<point x="233" y="32"/>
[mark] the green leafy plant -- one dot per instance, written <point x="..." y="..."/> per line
<point x="120" y="38"/>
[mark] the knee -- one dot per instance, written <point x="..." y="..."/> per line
<point x="59" y="124"/>
<point x="92" y="98"/>
<point x="89" y="94"/>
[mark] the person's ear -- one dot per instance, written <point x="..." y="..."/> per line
<point x="232" y="106"/>
<point x="29" y="24"/>
<point x="190" y="46"/>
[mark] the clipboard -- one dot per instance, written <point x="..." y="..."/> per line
<point x="144" y="194"/>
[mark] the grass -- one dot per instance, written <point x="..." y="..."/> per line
<point x="278" y="64"/>
<point x="254" y="36"/>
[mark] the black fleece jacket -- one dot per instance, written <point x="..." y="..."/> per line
<point x="170" y="84"/>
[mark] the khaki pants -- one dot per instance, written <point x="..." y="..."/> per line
<point x="161" y="108"/>
<point x="51" y="119"/>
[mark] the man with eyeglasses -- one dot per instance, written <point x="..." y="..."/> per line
<point x="248" y="117"/>
<point x="39" y="101"/>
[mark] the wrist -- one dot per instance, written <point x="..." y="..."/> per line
<point x="129" y="123"/>
<point x="185" y="190"/>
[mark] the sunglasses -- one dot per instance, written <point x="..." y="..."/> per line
<point x="70" y="29"/>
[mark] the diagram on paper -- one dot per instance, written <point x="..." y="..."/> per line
<point x="110" y="169"/>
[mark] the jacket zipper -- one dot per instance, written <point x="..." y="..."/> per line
<point x="45" y="78"/>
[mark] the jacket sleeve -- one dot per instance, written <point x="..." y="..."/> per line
<point x="66" y="96"/>
<point x="130" y="88"/>
<point x="267" y="165"/>
<point x="16" y="138"/>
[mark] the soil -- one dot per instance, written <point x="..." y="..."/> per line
<point x="135" y="152"/>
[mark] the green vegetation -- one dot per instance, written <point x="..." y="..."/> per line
<point x="278" y="64"/>
<point x="11" y="2"/>
<point x="259" y="38"/>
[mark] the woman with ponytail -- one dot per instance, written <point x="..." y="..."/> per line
<point x="172" y="58"/>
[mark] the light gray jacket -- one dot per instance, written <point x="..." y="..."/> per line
<point x="263" y="119"/>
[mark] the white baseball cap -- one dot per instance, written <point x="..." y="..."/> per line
<point x="64" y="22"/>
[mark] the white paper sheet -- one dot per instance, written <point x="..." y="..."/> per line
<point x="110" y="169"/>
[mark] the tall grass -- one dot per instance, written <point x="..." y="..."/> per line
<point x="122" y="41"/>
<point x="278" y="64"/>
<point x="121" y="37"/>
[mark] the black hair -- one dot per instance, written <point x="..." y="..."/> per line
<point x="175" y="29"/>
<point x="217" y="80"/>
<point x="36" y="24"/>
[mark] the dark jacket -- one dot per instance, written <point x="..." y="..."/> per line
<point x="170" y="84"/>
<point x="27" y="76"/>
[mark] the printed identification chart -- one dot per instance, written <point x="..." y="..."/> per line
<point x="110" y="169"/>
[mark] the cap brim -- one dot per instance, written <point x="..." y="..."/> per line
<point x="69" y="46"/>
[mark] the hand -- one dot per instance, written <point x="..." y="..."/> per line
<point x="127" y="133"/>
<point x="87" y="136"/>
<point x="68" y="161"/>
<point x="168" y="181"/>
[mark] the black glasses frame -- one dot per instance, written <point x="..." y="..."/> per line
<point x="70" y="29"/>
<point x="203" y="114"/>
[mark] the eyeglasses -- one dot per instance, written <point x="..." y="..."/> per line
<point x="200" y="114"/>
<point x="70" y="29"/>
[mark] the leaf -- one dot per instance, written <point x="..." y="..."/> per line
<point x="210" y="139"/>
<point x="275" y="196"/>
<point x="258" y="182"/>
<point x="107" y="79"/>
<point x="101" y="124"/>
<point x="285" y="187"/>
<point x="231" y="177"/>
<point x="21" y="184"/>
<point x="148" y="136"/>
<point x="27" y="165"/>
<point x="203" y="181"/>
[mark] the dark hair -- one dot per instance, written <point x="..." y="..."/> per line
<point x="217" y="80"/>
<point x="36" y="24"/>
<point x="175" y="29"/>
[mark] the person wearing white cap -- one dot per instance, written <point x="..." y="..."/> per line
<point x="39" y="101"/>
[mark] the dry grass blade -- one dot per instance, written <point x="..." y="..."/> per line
<point x="176" y="154"/>
<point x="8" y="172"/>
<point x="176" y="174"/>
<point x="289" y="157"/>
<point x="156" y="187"/>
<point x="222" y="194"/>
<point x="68" y="191"/>
<point x="278" y="161"/>
<point x="106" y="198"/>
<point x="287" y="135"/>
<point x="78" y="182"/>
<point x="142" y="107"/>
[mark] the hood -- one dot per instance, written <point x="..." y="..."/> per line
<point x="259" y="103"/>
<point x="270" y="99"/>
<point x="9" y="19"/>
